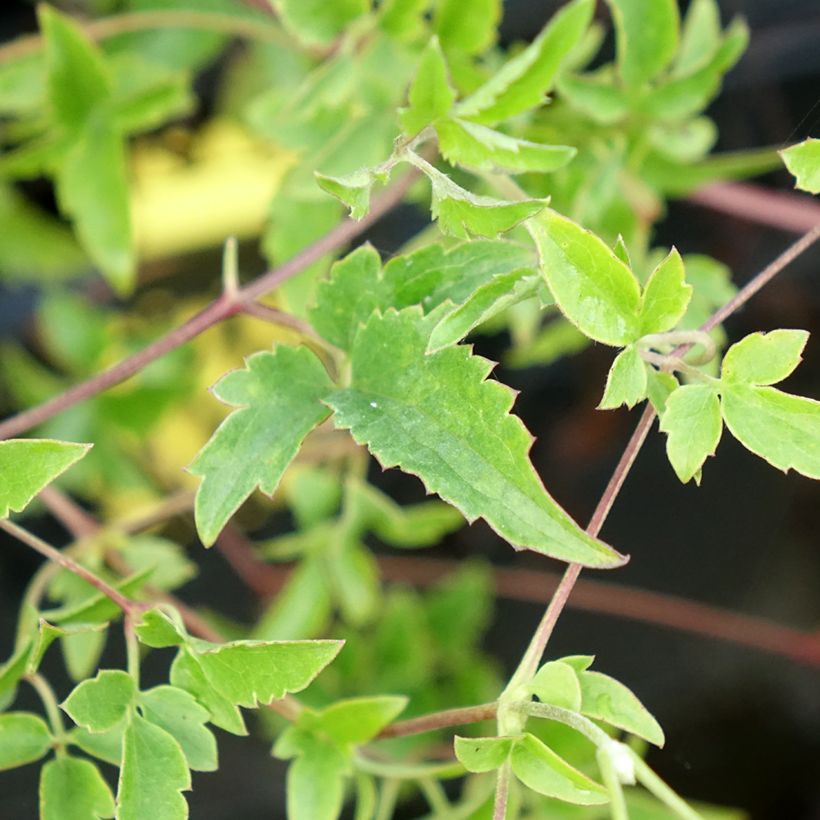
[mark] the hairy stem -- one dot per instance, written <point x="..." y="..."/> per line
<point x="502" y="792"/>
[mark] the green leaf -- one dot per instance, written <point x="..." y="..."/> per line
<point x="666" y="296"/>
<point x="313" y="494"/>
<point x="764" y="358"/>
<point x="596" y="96"/>
<point x="402" y="18"/>
<point x="475" y="146"/>
<point x="82" y="650"/>
<point x="315" y="781"/>
<point x="647" y="37"/>
<point x="101" y="703"/>
<point x="557" y="683"/>
<point x="659" y="387"/>
<point x="470" y="30"/>
<point x="431" y="96"/>
<point x="579" y="663"/>
<point x="354" y="576"/>
<point x="594" y="289"/>
<point x="483" y="754"/>
<point x="523" y="81"/>
<point x="317" y="21"/>
<point x="153" y="774"/>
<point x="604" y="698"/>
<point x="692" y="422"/>
<point x="279" y="399"/>
<point x="48" y="633"/>
<point x="24" y="738"/>
<point x="77" y="77"/>
<point x="159" y="629"/>
<point x="106" y="746"/>
<point x="700" y="37"/>
<point x="28" y="465"/>
<point x="178" y="712"/>
<point x="542" y="770"/>
<point x="12" y="671"/>
<point x="626" y="382"/>
<point x="353" y="189"/>
<point x="435" y="416"/>
<point x="169" y="566"/>
<point x="780" y="428"/>
<point x="92" y="188"/>
<point x="74" y="789"/>
<point x="356" y="720"/>
<point x="250" y="673"/>
<point x="187" y="674"/>
<point x="803" y="162"/>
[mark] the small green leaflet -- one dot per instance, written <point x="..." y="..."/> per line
<point x="693" y="425"/>
<point x="73" y="789"/>
<point x="700" y="37"/>
<point x="101" y="703"/>
<point x="803" y="162"/>
<point x="626" y="382"/>
<point x="523" y="81"/>
<point x="353" y="189"/>
<point x="279" y="399"/>
<point x="666" y="296"/>
<point x="542" y="770"/>
<point x="595" y="290"/>
<point x="475" y="146"/>
<point x="105" y="746"/>
<point x="436" y="416"/>
<point x="431" y="95"/>
<point x="483" y="754"/>
<point x="159" y="629"/>
<point x="24" y="738"/>
<point x="354" y="721"/>
<point x="28" y="465"/>
<point x="557" y="683"/>
<point x="315" y="780"/>
<point x="764" y="358"/>
<point x="153" y="774"/>
<point x="647" y="37"/>
<point x="471" y="30"/>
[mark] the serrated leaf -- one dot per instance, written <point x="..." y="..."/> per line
<point x="523" y="81"/>
<point x="317" y="21"/>
<point x="483" y="754"/>
<point x="250" y="673"/>
<point x="187" y="674"/>
<point x="92" y="189"/>
<point x="24" y="738"/>
<point x="557" y="683"/>
<point x="626" y="382"/>
<point x="471" y="32"/>
<point x="542" y="770"/>
<point x="803" y="162"/>
<point x="647" y="37"/>
<point x="475" y="146"/>
<point x="315" y="781"/>
<point x="606" y="699"/>
<point x="153" y="775"/>
<point x="764" y="358"/>
<point x="278" y="396"/>
<point x="28" y="465"/>
<point x="74" y="789"/>
<point x="179" y="713"/>
<point x="105" y="746"/>
<point x="76" y="75"/>
<point x="158" y="630"/>
<point x="594" y="289"/>
<point x="666" y="296"/>
<point x="693" y="425"/>
<point x="430" y="96"/>
<point x="435" y="416"/>
<point x="356" y="720"/>
<point x="101" y="703"/>
<point x="781" y="428"/>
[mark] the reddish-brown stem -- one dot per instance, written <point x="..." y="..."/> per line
<point x="262" y="579"/>
<point x="440" y="720"/>
<point x="502" y="792"/>
<point x="219" y="310"/>
<point x="72" y="516"/>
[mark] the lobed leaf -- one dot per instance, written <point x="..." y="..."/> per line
<point x="101" y="703"/>
<point x="28" y="465"/>
<point x="437" y="417"/>
<point x="803" y="162"/>
<point x="627" y="380"/>
<point x="73" y="789"/>
<point x="278" y="396"/>
<point x="764" y="358"/>
<point x="483" y="754"/>
<point x="24" y="738"/>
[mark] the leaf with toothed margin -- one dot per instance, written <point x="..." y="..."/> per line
<point x="353" y="189"/>
<point x="803" y="162"/>
<point x="438" y="417"/>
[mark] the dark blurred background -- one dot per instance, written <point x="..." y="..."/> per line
<point x="743" y="726"/>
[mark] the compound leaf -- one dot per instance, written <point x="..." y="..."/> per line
<point x="28" y="465"/>
<point x="666" y="296"/>
<point x="764" y="358"/>
<point x="803" y="162"/>
<point x="780" y="428"/>
<point x="73" y="789"/>
<point x="153" y="774"/>
<point x="437" y="416"/>
<point x="606" y="699"/>
<point x="278" y="396"/>
<point x="483" y="754"/>
<point x="594" y="289"/>
<point x="24" y="738"/>
<point x="542" y="770"/>
<point x="626" y="382"/>
<point x="523" y="81"/>
<point x="101" y="703"/>
<point x="430" y="96"/>
<point x="692" y="422"/>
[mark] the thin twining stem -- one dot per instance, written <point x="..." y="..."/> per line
<point x="224" y="307"/>
<point x="535" y="650"/>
